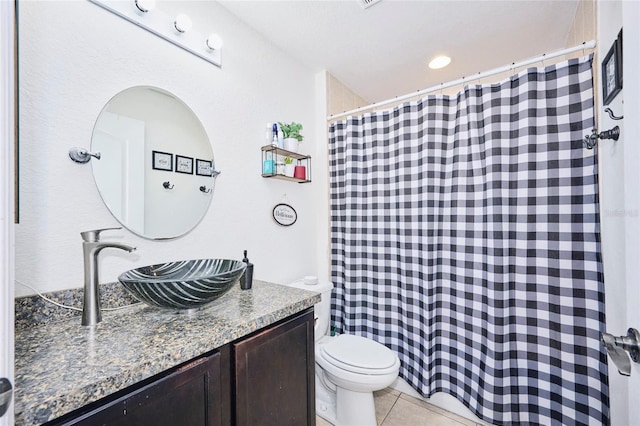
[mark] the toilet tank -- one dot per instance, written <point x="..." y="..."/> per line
<point x="322" y="310"/>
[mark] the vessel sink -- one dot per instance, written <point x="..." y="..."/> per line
<point x="186" y="284"/>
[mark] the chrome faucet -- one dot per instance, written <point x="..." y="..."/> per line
<point x="91" y="247"/>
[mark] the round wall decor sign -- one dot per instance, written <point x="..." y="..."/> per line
<point x="284" y="214"/>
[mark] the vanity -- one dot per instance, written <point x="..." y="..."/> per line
<point x="247" y="358"/>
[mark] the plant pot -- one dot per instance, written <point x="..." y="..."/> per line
<point x="291" y="144"/>
<point x="289" y="169"/>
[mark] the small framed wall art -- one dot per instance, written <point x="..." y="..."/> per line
<point x="612" y="72"/>
<point x="162" y="161"/>
<point x="284" y="214"/>
<point x="203" y="167"/>
<point x="184" y="164"/>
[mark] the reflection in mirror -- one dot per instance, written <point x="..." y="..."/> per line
<point x="135" y="124"/>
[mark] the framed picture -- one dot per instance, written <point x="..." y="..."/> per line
<point x="620" y="61"/>
<point x="612" y="73"/>
<point x="184" y="164"/>
<point x="203" y="167"/>
<point x="162" y="161"/>
<point x="284" y="214"/>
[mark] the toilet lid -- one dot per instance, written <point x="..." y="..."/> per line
<point x="356" y="352"/>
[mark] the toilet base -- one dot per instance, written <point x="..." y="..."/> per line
<point x="325" y="402"/>
<point x="343" y="407"/>
<point x="355" y="408"/>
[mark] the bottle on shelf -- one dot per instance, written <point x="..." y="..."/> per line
<point x="280" y="137"/>
<point x="269" y="133"/>
<point x="274" y="137"/>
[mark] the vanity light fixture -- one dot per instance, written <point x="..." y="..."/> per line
<point x="145" y="6"/>
<point x="439" y="62"/>
<point x="176" y="29"/>
<point x="214" y="42"/>
<point x="182" y="23"/>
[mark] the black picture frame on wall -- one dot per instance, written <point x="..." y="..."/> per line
<point x="619" y="46"/>
<point x="184" y="164"/>
<point x="612" y="72"/>
<point x="203" y="167"/>
<point x="162" y="161"/>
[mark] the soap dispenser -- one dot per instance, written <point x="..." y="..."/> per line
<point x="247" y="278"/>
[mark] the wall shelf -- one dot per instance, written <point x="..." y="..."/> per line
<point x="277" y="155"/>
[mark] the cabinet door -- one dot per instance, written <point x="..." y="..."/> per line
<point x="275" y="376"/>
<point x="193" y="395"/>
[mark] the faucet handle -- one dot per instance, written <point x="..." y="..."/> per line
<point x="93" y="236"/>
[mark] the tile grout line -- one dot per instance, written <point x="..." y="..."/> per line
<point x="390" y="409"/>
<point x="443" y="414"/>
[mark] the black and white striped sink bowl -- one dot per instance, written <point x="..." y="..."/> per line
<point x="186" y="284"/>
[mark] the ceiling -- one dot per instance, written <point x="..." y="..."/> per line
<point x="383" y="51"/>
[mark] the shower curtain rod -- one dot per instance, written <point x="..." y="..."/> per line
<point x="585" y="45"/>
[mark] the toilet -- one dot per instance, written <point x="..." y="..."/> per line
<point x="349" y="368"/>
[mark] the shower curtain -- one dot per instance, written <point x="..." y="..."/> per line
<point x="465" y="237"/>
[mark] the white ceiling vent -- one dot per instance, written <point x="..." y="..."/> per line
<point x="367" y="3"/>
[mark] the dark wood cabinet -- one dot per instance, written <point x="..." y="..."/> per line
<point x="274" y="375"/>
<point x="194" y="394"/>
<point x="264" y="379"/>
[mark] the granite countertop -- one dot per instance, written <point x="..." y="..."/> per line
<point x="61" y="366"/>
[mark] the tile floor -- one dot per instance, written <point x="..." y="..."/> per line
<point x="394" y="408"/>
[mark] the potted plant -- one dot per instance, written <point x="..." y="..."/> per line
<point x="292" y="136"/>
<point x="289" y="167"/>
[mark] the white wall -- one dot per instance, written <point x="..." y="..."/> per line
<point x="74" y="56"/>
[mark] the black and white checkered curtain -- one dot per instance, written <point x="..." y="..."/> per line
<point x="465" y="237"/>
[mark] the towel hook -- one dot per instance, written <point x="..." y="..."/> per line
<point x="204" y="189"/>
<point x="611" y="115"/>
<point x="591" y="140"/>
<point x="167" y="185"/>
<point x="81" y="155"/>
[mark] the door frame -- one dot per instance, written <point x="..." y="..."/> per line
<point x="631" y="128"/>
<point x="7" y="177"/>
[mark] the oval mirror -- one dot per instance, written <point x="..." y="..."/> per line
<point x="156" y="163"/>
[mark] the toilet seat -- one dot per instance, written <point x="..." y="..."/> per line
<point x="360" y="355"/>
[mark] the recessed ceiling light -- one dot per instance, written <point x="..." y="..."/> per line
<point x="439" y="62"/>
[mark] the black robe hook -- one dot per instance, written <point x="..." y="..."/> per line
<point x="611" y="115"/>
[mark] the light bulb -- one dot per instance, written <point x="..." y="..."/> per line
<point x="214" y="42"/>
<point x="145" y="6"/>
<point x="439" y="62"/>
<point x="182" y="23"/>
